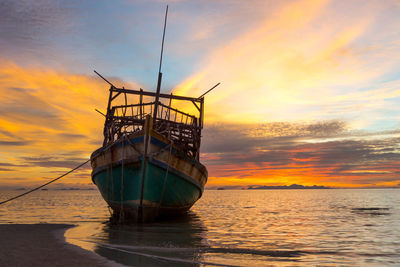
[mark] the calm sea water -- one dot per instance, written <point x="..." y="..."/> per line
<point x="233" y="227"/>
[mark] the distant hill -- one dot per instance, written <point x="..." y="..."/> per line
<point x="293" y="186"/>
<point x="265" y="187"/>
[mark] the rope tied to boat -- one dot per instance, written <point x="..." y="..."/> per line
<point x="52" y="181"/>
<point x="121" y="211"/>
<point x="133" y="146"/>
<point x="152" y="154"/>
<point x="166" y="175"/>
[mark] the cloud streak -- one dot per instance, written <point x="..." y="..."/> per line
<point x="47" y="112"/>
<point x="303" y="63"/>
<point x="327" y="154"/>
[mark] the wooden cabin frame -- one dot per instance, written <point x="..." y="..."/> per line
<point x="182" y="129"/>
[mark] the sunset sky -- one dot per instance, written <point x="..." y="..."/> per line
<point x="309" y="94"/>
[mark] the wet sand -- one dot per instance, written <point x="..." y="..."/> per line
<point x="43" y="245"/>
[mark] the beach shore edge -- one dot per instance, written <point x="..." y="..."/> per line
<point x="44" y="245"/>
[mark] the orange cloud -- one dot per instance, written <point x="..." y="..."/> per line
<point x="312" y="154"/>
<point x="47" y="114"/>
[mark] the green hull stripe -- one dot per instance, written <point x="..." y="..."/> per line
<point x="178" y="192"/>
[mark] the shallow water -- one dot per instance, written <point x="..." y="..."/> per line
<point x="348" y="227"/>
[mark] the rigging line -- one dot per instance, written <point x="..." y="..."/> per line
<point x="166" y="176"/>
<point x="163" y="37"/>
<point x="37" y="188"/>
<point x="129" y="141"/>
<point x="108" y="178"/>
<point x="121" y="211"/>
<point x="159" y="71"/>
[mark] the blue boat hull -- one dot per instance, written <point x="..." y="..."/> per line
<point x="142" y="188"/>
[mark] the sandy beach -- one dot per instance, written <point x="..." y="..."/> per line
<point x="43" y="245"/>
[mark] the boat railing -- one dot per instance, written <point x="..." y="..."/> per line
<point x="183" y="129"/>
<point x="137" y="112"/>
<point x="180" y="127"/>
<point x="174" y="115"/>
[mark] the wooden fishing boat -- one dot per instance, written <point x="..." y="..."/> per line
<point x="149" y="164"/>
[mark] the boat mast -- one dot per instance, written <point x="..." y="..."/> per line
<point x="159" y="70"/>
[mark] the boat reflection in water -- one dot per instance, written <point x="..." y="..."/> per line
<point x="178" y="241"/>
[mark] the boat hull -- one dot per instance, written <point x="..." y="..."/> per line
<point x="142" y="187"/>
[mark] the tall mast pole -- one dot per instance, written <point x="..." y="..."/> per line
<point x="159" y="70"/>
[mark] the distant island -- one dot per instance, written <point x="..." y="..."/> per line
<point x="293" y="186"/>
<point x="266" y="187"/>
<point x="74" y="188"/>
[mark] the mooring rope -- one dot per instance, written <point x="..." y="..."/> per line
<point x="150" y="155"/>
<point x="121" y="211"/>
<point x="166" y="176"/>
<point x="134" y="147"/>
<point x="37" y="188"/>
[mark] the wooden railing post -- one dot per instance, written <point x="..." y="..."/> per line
<point x="141" y="102"/>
